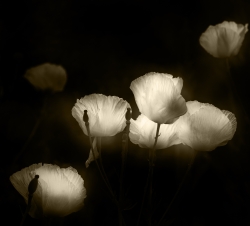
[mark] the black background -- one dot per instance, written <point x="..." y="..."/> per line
<point x="104" y="46"/>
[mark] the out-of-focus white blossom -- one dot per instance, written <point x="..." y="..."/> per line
<point x="223" y="40"/>
<point x="60" y="191"/>
<point x="158" y="96"/>
<point x="205" y="127"/>
<point x="143" y="132"/>
<point x="106" y="114"/>
<point x="47" y="77"/>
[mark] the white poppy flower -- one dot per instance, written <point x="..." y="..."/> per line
<point x="60" y="191"/>
<point x="47" y="77"/>
<point x="106" y="114"/>
<point x="143" y="132"/>
<point x="223" y="40"/>
<point x="205" y="127"/>
<point x="158" y="96"/>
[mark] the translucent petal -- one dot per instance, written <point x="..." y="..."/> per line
<point x="206" y="128"/>
<point x="106" y="114"/>
<point x="157" y="96"/>
<point x="223" y="40"/>
<point x="143" y="132"/>
<point x="21" y="179"/>
<point x="59" y="192"/>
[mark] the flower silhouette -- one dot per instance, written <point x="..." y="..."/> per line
<point x="142" y="132"/>
<point x="205" y="127"/>
<point x="47" y="77"/>
<point x="158" y="97"/>
<point x="223" y="40"/>
<point x="106" y="114"/>
<point x="60" y="191"/>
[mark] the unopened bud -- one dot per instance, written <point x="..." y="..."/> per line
<point x="85" y="116"/>
<point x="33" y="185"/>
<point x="128" y="114"/>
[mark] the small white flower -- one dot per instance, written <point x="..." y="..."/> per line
<point x="106" y="114"/>
<point x="158" y="96"/>
<point x="60" y="191"/>
<point x="47" y="77"/>
<point x="223" y="40"/>
<point x="143" y="132"/>
<point x="205" y="127"/>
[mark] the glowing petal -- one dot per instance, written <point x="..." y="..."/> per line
<point x="143" y="131"/>
<point x="205" y="127"/>
<point x="106" y="114"/>
<point x="60" y="191"/>
<point x="223" y="40"/>
<point x="157" y="96"/>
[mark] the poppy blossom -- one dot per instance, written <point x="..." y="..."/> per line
<point x="106" y="114"/>
<point x="47" y="77"/>
<point x="60" y="191"/>
<point x="205" y="127"/>
<point x="158" y="97"/>
<point x="223" y="40"/>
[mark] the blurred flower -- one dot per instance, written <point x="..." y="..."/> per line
<point x="60" y="191"/>
<point x="47" y="77"/>
<point x="106" y="114"/>
<point x="143" y="131"/>
<point x="158" y="96"/>
<point x="205" y="127"/>
<point x="223" y="40"/>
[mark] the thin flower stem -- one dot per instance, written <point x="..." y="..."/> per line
<point x="102" y="175"/>
<point x="99" y="148"/>
<point x="27" y="209"/>
<point x="150" y="175"/>
<point x="234" y="90"/>
<point x="124" y="158"/>
<point x="179" y="188"/>
<point x="153" y="157"/>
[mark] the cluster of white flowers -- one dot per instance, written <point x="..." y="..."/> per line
<point x="201" y="126"/>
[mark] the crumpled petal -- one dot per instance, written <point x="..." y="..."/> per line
<point x="47" y="77"/>
<point x="91" y="156"/>
<point x="143" y="132"/>
<point x="158" y="97"/>
<point x="205" y="127"/>
<point x="223" y="40"/>
<point x="60" y="191"/>
<point x="106" y="114"/>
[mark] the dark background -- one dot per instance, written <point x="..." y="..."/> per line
<point x="104" y="46"/>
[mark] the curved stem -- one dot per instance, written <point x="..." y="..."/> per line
<point x="180" y="186"/>
<point x="150" y="175"/>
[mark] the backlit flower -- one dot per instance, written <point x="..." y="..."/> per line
<point x="158" y="96"/>
<point x="205" y="127"/>
<point x="143" y="132"/>
<point x="47" y="77"/>
<point x="106" y="114"/>
<point x="223" y="40"/>
<point x="60" y="191"/>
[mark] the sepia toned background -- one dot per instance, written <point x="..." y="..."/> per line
<point x="104" y="46"/>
